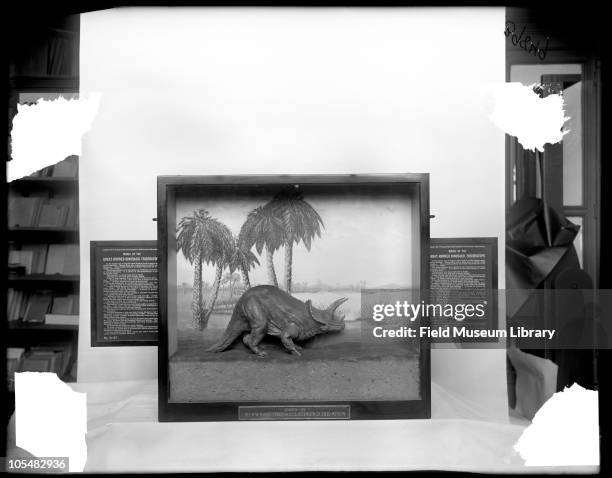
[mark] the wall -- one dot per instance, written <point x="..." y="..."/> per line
<point x="290" y="91"/>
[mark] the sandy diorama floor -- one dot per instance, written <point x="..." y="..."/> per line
<point x="334" y="366"/>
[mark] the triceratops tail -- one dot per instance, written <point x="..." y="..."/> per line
<point x="237" y="325"/>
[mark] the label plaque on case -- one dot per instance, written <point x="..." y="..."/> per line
<point x="295" y="412"/>
<point x="124" y="291"/>
<point x="464" y="271"/>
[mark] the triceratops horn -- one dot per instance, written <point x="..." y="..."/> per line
<point x="309" y="307"/>
<point x="313" y="314"/>
<point x="336" y="304"/>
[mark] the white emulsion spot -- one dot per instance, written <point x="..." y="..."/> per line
<point x="50" y="418"/>
<point x="564" y="432"/>
<point x="520" y="112"/>
<point x="48" y="132"/>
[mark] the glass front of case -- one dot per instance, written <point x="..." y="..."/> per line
<point x="268" y="288"/>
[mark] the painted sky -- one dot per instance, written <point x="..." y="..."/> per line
<point x="365" y="239"/>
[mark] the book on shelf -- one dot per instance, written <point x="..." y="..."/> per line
<point x="39" y="257"/>
<point x="52" y="215"/>
<point x="23" y="257"/>
<point x="14" y="352"/>
<point x="13" y="362"/>
<point x="62" y="305"/>
<point x="62" y="319"/>
<point x="38" y="306"/>
<point x="43" y="173"/>
<point x="55" y="259"/>
<point x="64" y="350"/>
<point x="63" y="259"/>
<point x="38" y="210"/>
<point x="17" y="304"/>
<point x="66" y="356"/>
<point x="72" y="373"/>
<point x="22" y="305"/>
<point x="64" y="311"/>
<point x="31" y="257"/>
<point x="47" y="259"/>
<point x="35" y="363"/>
<point x="48" y="358"/>
<point x="13" y="255"/>
<point x="38" y="362"/>
<point x="72" y="260"/>
<point x="59" y="211"/>
<point x="12" y="298"/>
<point x="68" y="168"/>
<point x="75" y="304"/>
<point x="23" y="211"/>
<point x="56" y="358"/>
<point x="69" y="206"/>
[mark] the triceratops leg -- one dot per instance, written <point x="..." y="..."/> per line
<point x="287" y="335"/>
<point x="252" y="340"/>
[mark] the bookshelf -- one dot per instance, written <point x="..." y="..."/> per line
<point x="43" y="279"/>
<point x="43" y="63"/>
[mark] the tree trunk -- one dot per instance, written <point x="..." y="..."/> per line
<point x="245" y="277"/>
<point x="271" y="273"/>
<point x="213" y="294"/>
<point x="196" y="305"/>
<point x="288" y="265"/>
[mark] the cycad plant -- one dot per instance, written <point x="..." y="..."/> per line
<point x="264" y="231"/>
<point x="242" y="260"/>
<point x="301" y="223"/>
<point x="284" y="221"/>
<point x="204" y="239"/>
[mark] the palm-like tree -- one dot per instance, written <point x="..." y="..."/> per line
<point x="300" y="222"/>
<point x="204" y="239"/>
<point x="263" y="229"/>
<point x="230" y="279"/>
<point x="242" y="259"/>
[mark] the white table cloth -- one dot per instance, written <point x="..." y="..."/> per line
<point x="125" y="436"/>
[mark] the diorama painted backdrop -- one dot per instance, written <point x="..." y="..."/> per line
<point x="362" y="242"/>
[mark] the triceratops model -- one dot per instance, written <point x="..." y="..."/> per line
<point x="266" y="309"/>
